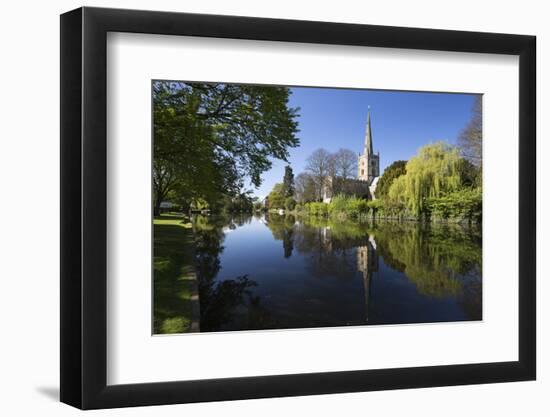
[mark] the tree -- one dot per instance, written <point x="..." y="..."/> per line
<point x="290" y="203"/>
<point x="258" y="205"/>
<point x="433" y="172"/>
<point x="344" y="166"/>
<point x="276" y="199"/>
<point x="345" y="163"/>
<point x="242" y="202"/>
<point x="288" y="182"/>
<point x="209" y="138"/>
<point x="318" y="165"/>
<point x="395" y="170"/>
<point x="470" y="139"/>
<point x="304" y="188"/>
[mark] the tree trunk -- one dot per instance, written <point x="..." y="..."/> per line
<point x="156" y="207"/>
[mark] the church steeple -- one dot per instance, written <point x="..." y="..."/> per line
<point x="368" y="137"/>
<point x="368" y="163"/>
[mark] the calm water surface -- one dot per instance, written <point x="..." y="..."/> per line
<point x="281" y="272"/>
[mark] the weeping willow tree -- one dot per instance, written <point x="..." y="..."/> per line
<point x="440" y="260"/>
<point x="433" y="172"/>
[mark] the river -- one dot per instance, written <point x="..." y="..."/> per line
<point x="280" y="272"/>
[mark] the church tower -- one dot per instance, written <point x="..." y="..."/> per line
<point x="368" y="163"/>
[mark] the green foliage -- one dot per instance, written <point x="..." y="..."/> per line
<point x="470" y="174"/>
<point x="375" y="205"/>
<point x="441" y="260"/>
<point x="438" y="184"/>
<point x="338" y="204"/>
<point x="433" y="258"/>
<point x="305" y="188"/>
<point x="276" y="199"/>
<point x="241" y="203"/>
<point x="290" y="203"/>
<point x="209" y="138"/>
<point x="397" y="191"/>
<point x="433" y="172"/>
<point x="465" y="204"/>
<point x="317" y="209"/>
<point x="343" y="207"/>
<point x="199" y="204"/>
<point x="288" y="182"/>
<point x="258" y="206"/>
<point x="394" y="209"/>
<point x="395" y="170"/>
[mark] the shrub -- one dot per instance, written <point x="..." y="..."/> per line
<point x="290" y="203"/>
<point x="357" y="207"/>
<point x="337" y="205"/>
<point x="343" y="207"/>
<point x="317" y="209"/>
<point x="461" y="205"/>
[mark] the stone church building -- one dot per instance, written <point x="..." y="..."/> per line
<point x="368" y="173"/>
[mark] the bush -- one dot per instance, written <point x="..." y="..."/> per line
<point x="317" y="209"/>
<point x="348" y="206"/>
<point x="290" y="203"/>
<point x="357" y="207"/>
<point x="338" y="205"/>
<point x="395" y="208"/>
<point x="461" y="205"/>
<point x="376" y="205"/>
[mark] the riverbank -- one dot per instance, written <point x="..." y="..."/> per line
<point x="461" y="208"/>
<point x="373" y="217"/>
<point x="176" y="299"/>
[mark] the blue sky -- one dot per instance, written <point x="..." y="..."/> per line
<point x="401" y="123"/>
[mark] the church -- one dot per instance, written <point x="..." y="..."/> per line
<point x="368" y="172"/>
<point x="368" y="165"/>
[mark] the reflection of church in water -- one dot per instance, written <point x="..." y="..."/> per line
<point x="335" y="257"/>
<point x="367" y="264"/>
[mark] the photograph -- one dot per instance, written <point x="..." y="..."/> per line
<point x="245" y="208"/>
<point x="282" y="207"/>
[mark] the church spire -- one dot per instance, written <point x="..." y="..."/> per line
<point x="368" y="137"/>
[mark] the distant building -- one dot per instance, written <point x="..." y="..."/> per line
<point x="368" y="164"/>
<point x="166" y="206"/>
<point x="368" y="173"/>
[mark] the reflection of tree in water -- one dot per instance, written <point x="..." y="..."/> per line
<point x="282" y="228"/>
<point x="222" y="302"/>
<point x="240" y="219"/>
<point x="330" y="247"/>
<point x="331" y="250"/>
<point x="441" y="260"/>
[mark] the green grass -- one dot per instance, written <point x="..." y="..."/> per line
<point x="174" y="275"/>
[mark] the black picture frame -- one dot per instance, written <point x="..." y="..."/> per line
<point x="84" y="207"/>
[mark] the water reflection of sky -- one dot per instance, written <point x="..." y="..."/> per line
<point x="318" y="275"/>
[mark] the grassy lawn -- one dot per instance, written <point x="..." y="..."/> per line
<point x="174" y="276"/>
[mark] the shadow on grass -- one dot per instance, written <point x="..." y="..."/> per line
<point x="174" y="279"/>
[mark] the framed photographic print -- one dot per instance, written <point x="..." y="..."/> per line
<point x="257" y="208"/>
